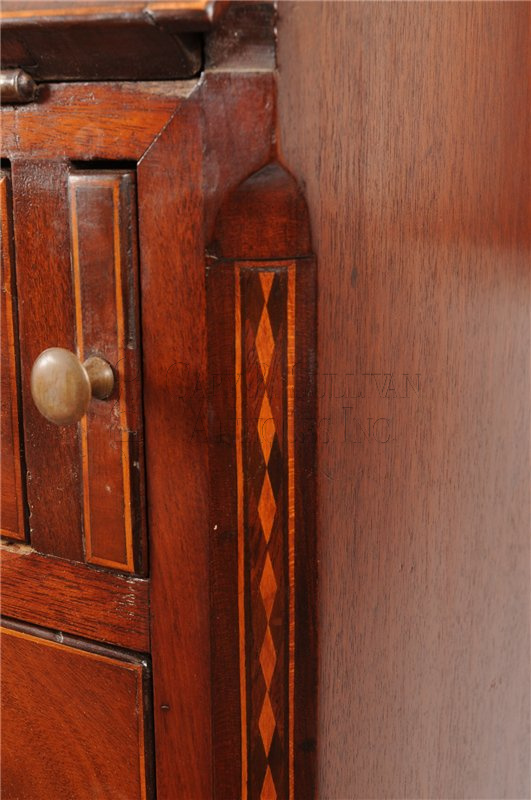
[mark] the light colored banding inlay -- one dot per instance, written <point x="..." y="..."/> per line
<point x="291" y="516"/>
<point x="113" y="185"/>
<point x="241" y="530"/>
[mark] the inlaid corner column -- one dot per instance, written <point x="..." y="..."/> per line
<point x="261" y="316"/>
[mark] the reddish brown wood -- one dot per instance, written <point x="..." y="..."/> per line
<point x="46" y="318"/>
<point x="183" y="14"/>
<point x="195" y="143"/>
<point x="261" y="321"/>
<point x="73" y="598"/>
<point x="227" y="691"/>
<point x="238" y="131"/>
<point x="243" y="38"/>
<point x="105" y="275"/>
<point x="230" y="121"/>
<point x="264" y="218"/>
<point x="66" y="710"/>
<point x="106" y="40"/>
<point x="92" y="47"/>
<point x="11" y="493"/>
<point x="91" y="120"/>
<point x="173" y="324"/>
<point x="409" y="123"/>
<point x="42" y="232"/>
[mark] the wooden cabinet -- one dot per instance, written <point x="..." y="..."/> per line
<point x="162" y="161"/>
<point x="158" y="566"/>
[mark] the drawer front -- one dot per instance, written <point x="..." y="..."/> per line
<point x="75" y="723"/>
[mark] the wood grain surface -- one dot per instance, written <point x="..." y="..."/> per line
<point x="73" y="598"/>
<point x="46" y="318"/>
<point x="409" y="124"/>
<point x="104" y="246"/>
<point x="12" y="492"/>
<point x="74" y="720"/>
<point x="185" y="14"/>
<point x="92" y="48"/>
<point x="71" y="122"/>
<point x="87" y="121"/>
<point x="211" y="144"/>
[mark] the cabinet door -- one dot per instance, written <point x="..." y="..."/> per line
<point x="75" y="725"/>
<point x="71" y="249"/>
<point x="77" y="265"/>
<point x="11" y="490"/>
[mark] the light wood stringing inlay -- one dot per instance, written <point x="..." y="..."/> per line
<point x="112" y="184"/>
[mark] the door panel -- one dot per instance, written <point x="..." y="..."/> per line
<point x="11" y="492"/>
<point x="104" y="258"/>
<point x="75" y="725"/>
<point x="78" y="289"/>
<point x="46" y="319"/>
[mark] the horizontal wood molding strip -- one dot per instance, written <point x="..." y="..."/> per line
<point x="85" y="121"/>
<point x="194" y="15"/>
<point x="74" y="598"/>
<point x="106" y="41"/>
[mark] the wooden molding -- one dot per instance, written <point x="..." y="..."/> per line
<point x="106" y="41"/>
<point x="74" y="598"/>
<point x="81" y="122"/>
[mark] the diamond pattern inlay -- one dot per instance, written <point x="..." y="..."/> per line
<point x="265" y="344"/>
<point x="267" y="507"/>
<point x="268" y="789"/>
<point x="264" y="413"/>
<point x="266" y="428"/>
<point x="267" y="723"/>
<point x="268" y="657"/>
<point x="266" y="279"/>
<point x="268" y="586"/>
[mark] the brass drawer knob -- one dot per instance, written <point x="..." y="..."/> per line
<point x="61" y="386"/>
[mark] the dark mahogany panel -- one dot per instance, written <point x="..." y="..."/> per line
<point x="11" y="492"/>
<point x="212" y="143"/>
<point x="46" y="319"/>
